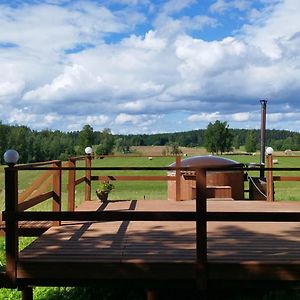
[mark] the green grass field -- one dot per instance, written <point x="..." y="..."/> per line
<point x="131" y="190"/>
<point x="150" y="190"/>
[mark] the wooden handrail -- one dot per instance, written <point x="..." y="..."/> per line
<point x="65" y="168"/>
<point x="34" y="201"/>
<point x="79" y="180"/>
<point x="75" y="158"/>
<point x="43" y="188"/>
<point x="25" y="194"/>
<point x="133" y="178"/>
<point x="37" y="164"/>
<point x="127" y="215"/>
<point x="286" y="178"/>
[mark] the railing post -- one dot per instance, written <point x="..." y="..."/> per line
<point x="88" y="164"/>
<point x="71" y="185"/>
<point x="201" y="229"/>
<point x="178" y="178"/>
<point x="11" y="224"/>
<point x="57" y="190"/>
<point x="270" y="181"/>
<point x="27" y="293"/>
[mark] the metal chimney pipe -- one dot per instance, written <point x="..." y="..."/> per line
<point x="263" y="136"/>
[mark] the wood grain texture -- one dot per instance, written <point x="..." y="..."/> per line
<point x="166" y="250"/>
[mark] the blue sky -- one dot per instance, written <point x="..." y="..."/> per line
<point x="141" y="66"/>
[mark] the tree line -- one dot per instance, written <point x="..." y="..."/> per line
<point x="217" y="138"/>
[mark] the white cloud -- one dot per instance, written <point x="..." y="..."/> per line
<point x="241" y="117"/>
<point x="125" y="118"/>
<point x="220" y="6"/>
<point x="11" y="83"/>
<point x="175" y="6"/>
<point x="141" y="121"/>
<point x="149" y="42"/>
<point x="207" y="117"/>
<point x="274" y="28"/>
<point x="35" y="121"/>
<point x="97" y="120"/>
<point x="74" y="79"/>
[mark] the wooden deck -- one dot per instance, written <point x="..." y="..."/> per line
<point x="161" y="253"/>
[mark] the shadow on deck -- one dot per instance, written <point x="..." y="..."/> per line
<point x="159" y="254"/>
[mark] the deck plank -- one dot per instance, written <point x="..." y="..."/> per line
<point x="139" y="249"/>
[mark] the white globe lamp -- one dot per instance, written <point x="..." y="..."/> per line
<point x="269" y="151"/>
<point x="88" y="150"/>
<point x="11" y="157"/>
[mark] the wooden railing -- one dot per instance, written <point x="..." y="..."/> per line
<point x="73" y="182"/>
<point x="13" y="215"/>
<point x="271" y="178"/>
<point x="32" y="196"/>
<point x="16" y="206"/>
<point x="88" y="178"/>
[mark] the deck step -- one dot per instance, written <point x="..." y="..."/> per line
<point x="221" y="191"/>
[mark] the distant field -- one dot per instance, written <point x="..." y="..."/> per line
<point x="161" y="150"/>
<point x="152" y="190"/>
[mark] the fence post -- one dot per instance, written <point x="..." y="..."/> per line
<point x="57" y="190"/>
<point x="178" y="178"/>
<point x="270" y="182"/>
<point x="88" y="164"/>
<point x="201" y="229"/>
<point x="71" y="185"/>
<point x="11" y="224"/>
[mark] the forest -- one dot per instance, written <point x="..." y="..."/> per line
<point x="47" y="144"/>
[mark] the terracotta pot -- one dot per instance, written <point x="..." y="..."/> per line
<point x="102" y="196"/>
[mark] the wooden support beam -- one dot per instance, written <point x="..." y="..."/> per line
<point x="27" y="293"/>
<point x="34" y="201"/>
<point x="80" y="180"/>
<point x="36" y="184"/>
<point x="201" y="229"/>
<point x="88" y="164"/>
<point x="105" y="216"/>
<point x="124" y="215"/>
<point x="133" y="178"/>
<point x="11" y="224"/>
<point x="178" y="178"/>
<point x="56" y="207"/>
<point x="270" y="182"/>
<point x="286" y="178"/>
<point x="71" y="185"/>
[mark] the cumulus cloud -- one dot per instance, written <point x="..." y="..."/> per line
<point x="274" y="28"/>
<point x="240" y="117"/>
<point x="140" y="120"/>
<point x="205" y="117"/>
<point x="97" y="120"/>
<point x="74" y="79"/>
<point x="38" y="121"/>
<point x="220" y="6"/>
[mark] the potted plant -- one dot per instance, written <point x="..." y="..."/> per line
<point x="104" y="188"/>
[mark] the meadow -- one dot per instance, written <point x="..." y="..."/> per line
<point x="131" y="190"/>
